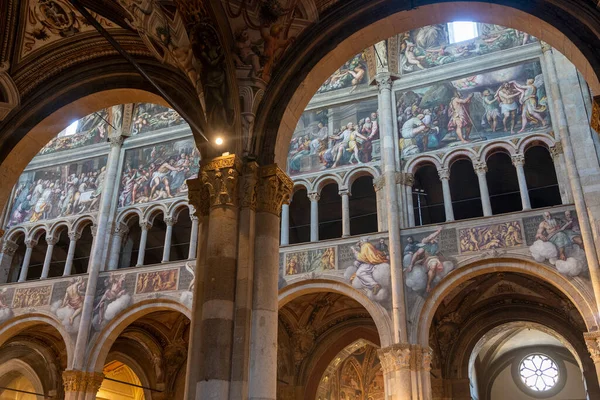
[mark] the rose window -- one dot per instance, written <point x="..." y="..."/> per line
<point x="539" y="372"/>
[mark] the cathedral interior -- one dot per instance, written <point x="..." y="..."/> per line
<point x="299" y="199"/>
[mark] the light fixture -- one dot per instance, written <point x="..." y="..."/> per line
<point x="219" y="141"/>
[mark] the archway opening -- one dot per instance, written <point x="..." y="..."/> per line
<point x="83" y="249"/>
<point x="180" y="237"/>
<point x="120" y="383"/>
<point x="464" y="189"/>
<point x="428" y="197"/>
<point x="131" y="243"/>
<point x="155" y="244"/>
<point x="540" y="174"/>
<point x="503" y="184"/>
<point x="330" y="212"/>
<point x="309" y="343"/>
<point x="363" y="206"/>
<point x="300" y="217"/>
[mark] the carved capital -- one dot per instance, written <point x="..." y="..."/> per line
<point x="545" y="46"/>
<point x="170" y="221"/>
<point x="480" y="168"/>
<point x="9" y="248"/>
<point x="595" y="122"/>
<point x="405" y="178"/>
<point x="384" y="82"/>
<point x="94" y="229"/>
<point x="116" y="141"/>
<point x="93" y="381"/>
<point x="145" y="225"/>
<point x="344" y="192"/>
<point x="592" y="341"/>
<point x="120" y="229"/>
<point x="395" y="358"/>
<point x="198" y="197"/>
<point x="556" y="150"/>
<point x="518" y="160"/>
<point x="378" y="183"/>
<point x="75" y="236"/>
<point x="80" y="381"/>
<point x="31" y="243"/>
<point x="51" y="240"/>
<point x="249" y="182"/>
<point x="444" y="173"/>
<point x="274" y="189"/>
<point x="314" y="196"/>
<point x="426" y="359"/>
<point x="220" y="177"/>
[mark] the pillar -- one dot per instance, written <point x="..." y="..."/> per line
<point x="379" y="186"/>
<point x="220" y="178"/>
<point x="558" y="158"/>
<point x="170" y="221"/>
<point x="444" y="174"/>
<point x="345" y="193"/>
<point x="285" y="224"/>
<point x="98" y="250"/>
<point x="81" y="385"/>
<point x="481" y="169"/>
<point x="120" y="231"/>
<point x="388" y="158"/>
<point x="193" y="238"/>
<point x="409" y="182"/>
<point x="274" y="188"/>
<point x="592" y="341"/>
<point x="8" y="251"/>
<point x="518" y="161"/>
<point x="406" y="371"/>
<point x="146" y="226"/>
<point x="48" y="258"/>
<point x="314" y="216"/>
<point x="73" y="238"/>
<point x="30" y="244"/>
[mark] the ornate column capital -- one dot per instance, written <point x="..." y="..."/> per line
<point x="120" y="229"/>
<point x="405" y="178"/>
<point x="444" y="173"/>
<point x="220" y="176"/>
<point x="94" y="229"/>
<point x="248" y="197"/>
<point x="274" y="189"/>
<point x="545" y="46"/>
<point x="378" y="183"/>
<point x="31" y="243"/>
<point x="480" y="168"/>
<point x="80" y="381"/>
<point x="93" y="381"/>
<point x="198" y="197"/>
<point x="518" y="160"/>
<point x="116" y="141"/>
<point x="556" y="150"/>
<point x="426" y="359"/>
<point x="145" y="225"/>
<point x="51" y="240"/>
<point x="314" y="196"/>
<point x="74" y="236"/>
<point x="592" y="341"/>
<point x="344" y="192"/>
<point x="395" y="358"/>
<point x="595" y="122"/>
<point x="384" y="81"/>
<point x="170" y="221"/>
<point x="9" y="248"/>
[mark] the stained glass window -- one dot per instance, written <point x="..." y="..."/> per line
<point x="539" y="372"/>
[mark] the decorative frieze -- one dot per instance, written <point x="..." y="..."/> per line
<point x="220" y="177"/>
<point x="274" y="189"/>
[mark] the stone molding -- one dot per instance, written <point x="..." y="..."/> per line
<point x="592" y="341"/>
<point x="404" y="356"/>
<point x="81" y="381"/>
<point x="220" y="177"/>
<point x="595" y="122"/>
<point x="274" y="189"/>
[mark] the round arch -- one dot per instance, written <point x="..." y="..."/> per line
<point x="359" y="172"/>
<point x="459" y="154"/>
<point x="329" y="44"/>
<point x="135" y="367"/>
<point x="414" y="164"/>
<point x="15" y="325"/>
<point x="103" y="342"/>
<point x="153" y="211"/>
<point x="584" y="304"/>
<point x="325" y="180"/>
<point x="16" y="365"/>
<point x="498" y="147"/>
<point x="536" y="140"/>
<point x="380" y="317"/>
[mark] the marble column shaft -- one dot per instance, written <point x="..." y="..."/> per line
<point x="51" y="241"/>
<point x="558" y="158"/>
<point x="73" y="238"/>
<point x="379" y="185"/>
<point x="96" y="255"/>
<point x="30" y="244"/>
<point x="314" y="216"/>
<point x="170" y="221"/>
<point x="193" y="238"/>
<point x="274" y="189"/>
<point x="481" y="171"/>
<point x="285" y="224"/>
<point x="444" y="175"/>
<point x="388" y="157"/>
<point x="119" y="233"/>
<point x="518" y="161"/>
<point x="345" y="193"/>
<point x="146" y="226"/>
<point x="409" y="181"/>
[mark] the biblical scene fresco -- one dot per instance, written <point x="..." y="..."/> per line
<point x="329" y="138"/>
<point x="472" y="109"/>
<point x="151" y="117"/>
<point x="350" y="75"/>
<point x="507" y="234"/>
<point x="58" y="191"/>
<point x="158" y="171"/>
<point x="310" y="261"/>
<point x="32" y="297"/>
<point x="157" y="281"/>
<point x="430" y="46"/>
<point x="358" y="377"/>
<point x="91" y="129"/>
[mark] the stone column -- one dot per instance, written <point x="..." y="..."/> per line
<point x="48" y="258"/>
<point x="396" y="363"/>
<point x="388" y="158"/>
<point x="170" y="221"/>
<point x="30" y="244"/>
<point x="592" y="341"/>
<point x="8" y="251"/>
<point x="98" y="250"/>
<point x="444" y="174"/>
<point x="146" y="226"/>
<point x="81" y="385"/>
<point x="193" y="238"/>
<point x="314" y="216"/>
<point x="409" y="182"/>
<point x="518" y="161"/>
<point x="73" y="238"/>
<point x="481" y="169"/>
<point x="285" y="224"/>
<point x="345" y="193"/>
<point x="119" y="233"/>
<point x="558" y="158"/>
<point x="274" y="188"/>
<point x="379" y="186"/>
<point x="220" y="178"/>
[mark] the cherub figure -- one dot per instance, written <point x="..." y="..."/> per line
<point x="274" y="46"/>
